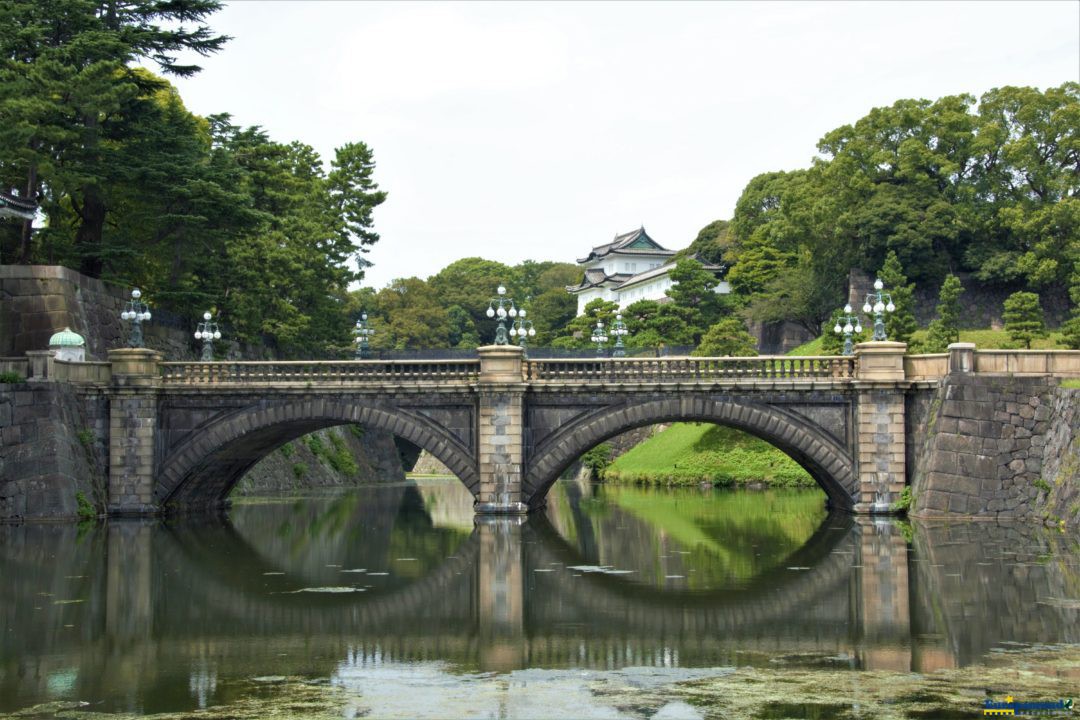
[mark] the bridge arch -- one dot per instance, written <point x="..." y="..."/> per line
<point x="827" y="461"/>
<point x="205" y="466"/>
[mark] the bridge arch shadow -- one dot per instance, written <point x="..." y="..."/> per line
<point x="201" y="471"/>
<point x="830" y="464"/>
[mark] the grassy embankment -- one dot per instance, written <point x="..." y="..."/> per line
<point x="692" y="453"/>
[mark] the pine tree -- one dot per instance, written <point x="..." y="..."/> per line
<point x="945" y="328"/>
<point x="899" y="324"/>
<point x="1024" y="317"/>
<point x="727" y="337"/>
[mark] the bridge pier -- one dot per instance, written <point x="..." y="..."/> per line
<point x="133" y="422"/>
<point x="881" y="453"/>
<point x="501" y="390"/>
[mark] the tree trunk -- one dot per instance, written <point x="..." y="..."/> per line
<point x="88" y="236"/>
<point x="28" y="225"/>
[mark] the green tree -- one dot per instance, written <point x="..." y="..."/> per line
<point x="711" y="244"/>
<point x="70" y="96"/>
<point x="410" y="315"/>
<point x="727" y="337"/>
<point x="1024" y="317"/>
<point x="577" y="332"/>
<point x="945" y="328"/>
<point x="899" y="324"/>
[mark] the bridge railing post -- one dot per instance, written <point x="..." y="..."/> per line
<point x="881" y="434"/>
<point x="961" y="357"/>
<point x="501" y="447"/>
<point x="133" y="411"/>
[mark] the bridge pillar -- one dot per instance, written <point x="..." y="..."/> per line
<point x="500" y="435"/>
<point x="881" y="457"/>
<point x="133" y="406"/>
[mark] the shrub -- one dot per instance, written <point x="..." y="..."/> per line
<point x="11" y="377"/>
<point x="85" y="508"/>
<point x="597" y="459"/>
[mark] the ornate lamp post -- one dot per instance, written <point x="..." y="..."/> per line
<point x="503" y="307"/>
<point x="618" y="329"/>
<point x="136" y="312"/>
<point x="208" y="332"/>
<point x="879" y="303"/>
<point x="599" y="336"/>
<point x="363" y="333"/>
<point x="522" y="329"/>
<point x="850" y="325"/>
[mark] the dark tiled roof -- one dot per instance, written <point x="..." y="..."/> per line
<point x="596" y="277"/>
<point x="17" y="206"/>
<point x="621" y="241"/>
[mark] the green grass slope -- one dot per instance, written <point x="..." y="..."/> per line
<point x="984" y="339"/>
<point x="692" y="453"/>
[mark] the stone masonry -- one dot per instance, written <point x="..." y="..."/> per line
<point x="984" y="448"/>
<point x="48" y="452"/>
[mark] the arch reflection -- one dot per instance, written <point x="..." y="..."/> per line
<point x="162" y="616"/>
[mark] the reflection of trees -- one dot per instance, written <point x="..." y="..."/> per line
<point x="712" y="539"/>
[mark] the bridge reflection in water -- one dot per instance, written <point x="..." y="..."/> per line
<point x="161" y="616"/>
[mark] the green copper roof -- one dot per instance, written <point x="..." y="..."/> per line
<point x="67" y="338"/>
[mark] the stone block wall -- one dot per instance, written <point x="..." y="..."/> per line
<point x="50" y="450"/>
<point x="374" y="451"/>
<point x="39" y="300"/>
<point x="984" y="447"/>
<point x="1059" y="497"/>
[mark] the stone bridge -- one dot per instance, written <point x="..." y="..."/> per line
<point x="181" y="434"/>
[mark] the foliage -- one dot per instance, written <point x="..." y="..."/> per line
<point x="137" y="190"/>
<point x="576" y="333"/>
<point x="10" y="377"/>
<point x="945" y="328"/>
<point x="409" y="313"/>
<point x="946" y="185"/>
<point x="1024" y="317"/>
<point x="299" y="470"/>
<point x="727" y="337"/>
<point x="899" y="324"/>
<point x="711" y="243"/>
<point x="74" y="106"/>
<point x="288" y="449"/>
<point x="597" y="459"/>
<point x="691" y="453"/>
<point x="903" y="502"/>
<point x="85" y="509"/>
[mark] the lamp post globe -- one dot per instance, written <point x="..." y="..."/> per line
<point x="846" y="325"/>
<point x="208" y="332"/>
<point x="363" y="335"/>
<point x="502" y="307"/>
<point x="619" y="330"/>
<point x="879" y="303"/>
<point x="135" y="312"/>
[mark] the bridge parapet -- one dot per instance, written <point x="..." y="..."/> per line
<point x="282" y="373"/>
<point x="690" y="369"/>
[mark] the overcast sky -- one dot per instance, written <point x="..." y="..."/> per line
<point x="514" y="131"/>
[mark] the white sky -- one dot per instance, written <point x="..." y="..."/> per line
<point x="514" y="131"/>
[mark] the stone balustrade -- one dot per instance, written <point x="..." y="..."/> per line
<point x="279" y="373"/>
<point x="692" y="369"/>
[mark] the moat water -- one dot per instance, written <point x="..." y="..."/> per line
<point x="615" y="602"/>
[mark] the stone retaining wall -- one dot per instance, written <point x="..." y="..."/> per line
<point x="39" y="300"/>
<point x="50" y="450"/>
<point x="295" y="467"/>
<point x="987" y="449"/>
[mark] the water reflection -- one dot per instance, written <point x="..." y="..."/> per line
<point x="150" y="617"/>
